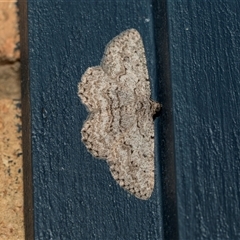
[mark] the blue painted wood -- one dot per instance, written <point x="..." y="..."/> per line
<point x="165" y="124"/>
<point x="193" y="51"/>
<point x="205" y="60"/>
<point x="74" y="195"/>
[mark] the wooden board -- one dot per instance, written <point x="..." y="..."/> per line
<point x="74" y="194"/>
<point x="204" y="53"/>
<point x="192" y="51"/>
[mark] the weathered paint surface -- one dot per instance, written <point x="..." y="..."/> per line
<point x="196" y="80"/>
<point x="204" y="52"/>
<point x="75" y="196"/>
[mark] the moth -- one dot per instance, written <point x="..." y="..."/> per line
<point x="120" y="127"/>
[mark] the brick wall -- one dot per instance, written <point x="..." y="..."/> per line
<point x="11" y="184"/>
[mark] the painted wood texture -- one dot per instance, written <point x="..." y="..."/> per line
<point x="205" y="54"/>
<point x="74" y="194"/>
<point x="192" y="51"/>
